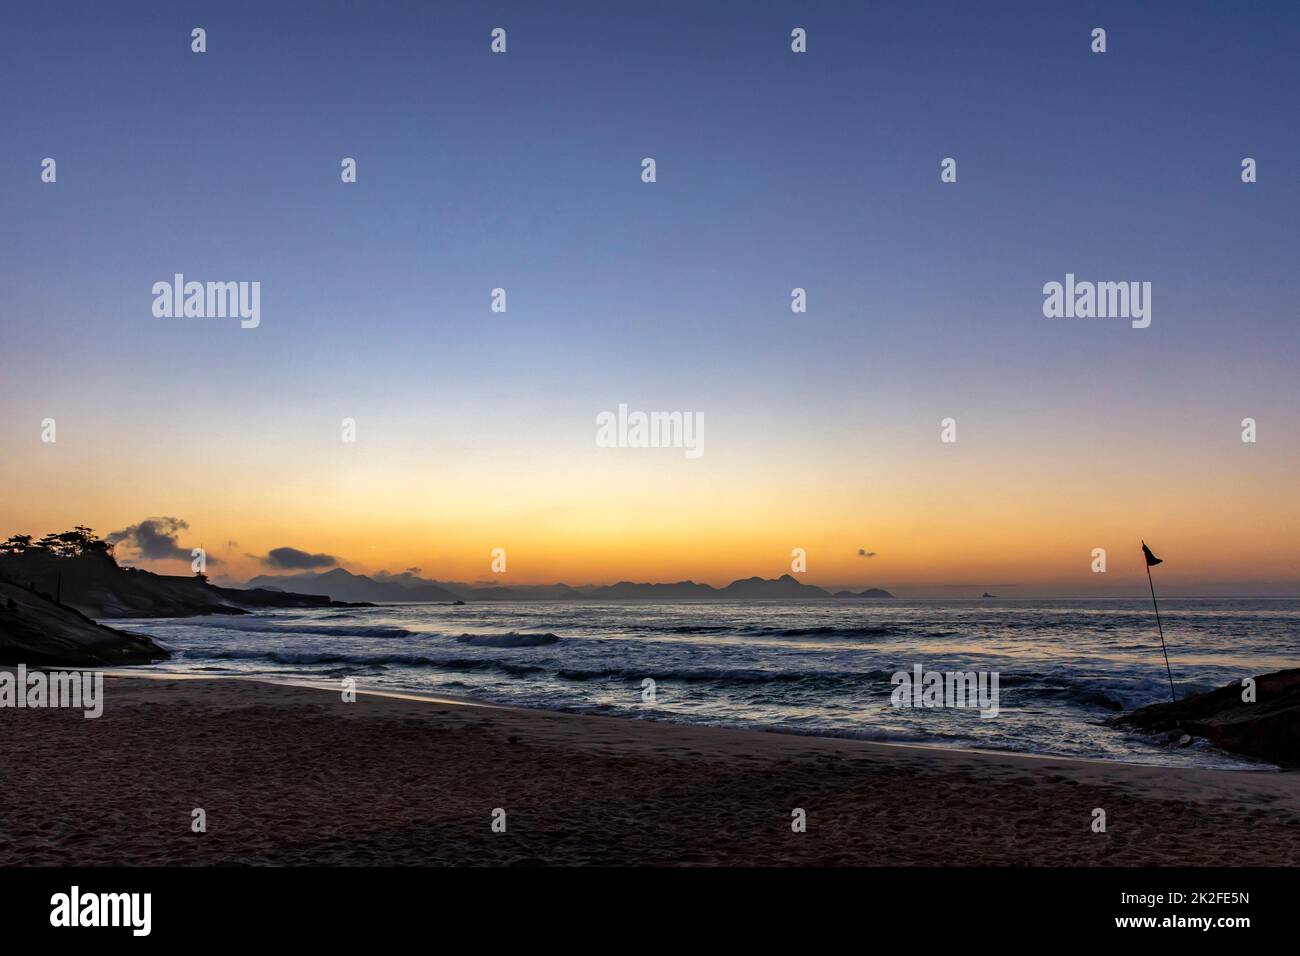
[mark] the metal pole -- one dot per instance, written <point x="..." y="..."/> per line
<point x="1172" y="698"/>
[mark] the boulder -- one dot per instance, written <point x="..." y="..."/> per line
<point x="40" y="633"/>
<point x="1267" y="728"/>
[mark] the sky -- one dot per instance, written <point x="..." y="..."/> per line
<point x="476" y="430"/>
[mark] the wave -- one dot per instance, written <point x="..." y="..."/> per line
<point x="1109" y="693"/>
<point x="376" y="631"/>
<point x="1089" y="692"/>
<point x="277" y="626"/>
<point x="510" y="639"/>
<point x="827" y="630"/>
<point x="727" y="676"/>
<point x="823" y="631"/>
<point x="324" y="658"/>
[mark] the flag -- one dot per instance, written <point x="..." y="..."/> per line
<point x="1152" y="560"/>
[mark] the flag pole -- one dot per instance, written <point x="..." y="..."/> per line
<point x="1172" y="698"/>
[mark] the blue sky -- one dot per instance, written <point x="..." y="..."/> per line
<point x="774" y="170"/>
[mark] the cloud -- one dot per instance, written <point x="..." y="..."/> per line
<point x="291" y="559"/>
<point x="864" y="553"/>
<point x="157" y="539"/>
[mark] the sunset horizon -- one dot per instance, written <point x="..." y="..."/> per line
<point x="1038" y="570"/>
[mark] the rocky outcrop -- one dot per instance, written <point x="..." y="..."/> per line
<point x="1267" y="728"/>
<point x="40" y="633"/>
<point x="95" y="585"/>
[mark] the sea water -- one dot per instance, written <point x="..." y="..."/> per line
<point x="813" y="667"/>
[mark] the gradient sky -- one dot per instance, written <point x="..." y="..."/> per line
<point x="775" y="170"/>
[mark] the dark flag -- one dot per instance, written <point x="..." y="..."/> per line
<point x="1152" y="560"/>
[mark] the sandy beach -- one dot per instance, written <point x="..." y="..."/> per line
<point x="292" y="775"/>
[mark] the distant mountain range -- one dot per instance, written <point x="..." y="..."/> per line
<point x="342" y="585"/>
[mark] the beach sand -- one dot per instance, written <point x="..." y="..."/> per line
<point x="292" y="775"/>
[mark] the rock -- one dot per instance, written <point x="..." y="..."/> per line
<point x="1268" y="728"/>
<point x="95" y="585"/>
<point x="39" y="633"/>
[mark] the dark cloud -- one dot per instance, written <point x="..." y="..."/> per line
<point x="291" y="559"/>
<point x="157" y="539"/>
<point x="864" y="553"/>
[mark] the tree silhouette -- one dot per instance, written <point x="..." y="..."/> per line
<point x="17" y="544"/>
<point x="67" y="544"/>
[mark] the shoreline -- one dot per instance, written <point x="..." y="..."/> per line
<point x="289" y="775"/>
<point x="823" y="673"/>
<point x="417" y="696"/>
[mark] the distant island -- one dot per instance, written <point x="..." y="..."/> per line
<point x="406" y="588"/>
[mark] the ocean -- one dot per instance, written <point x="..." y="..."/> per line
<point x="812" y="667"/>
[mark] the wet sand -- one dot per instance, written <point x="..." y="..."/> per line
<point x="292" y="775"/>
